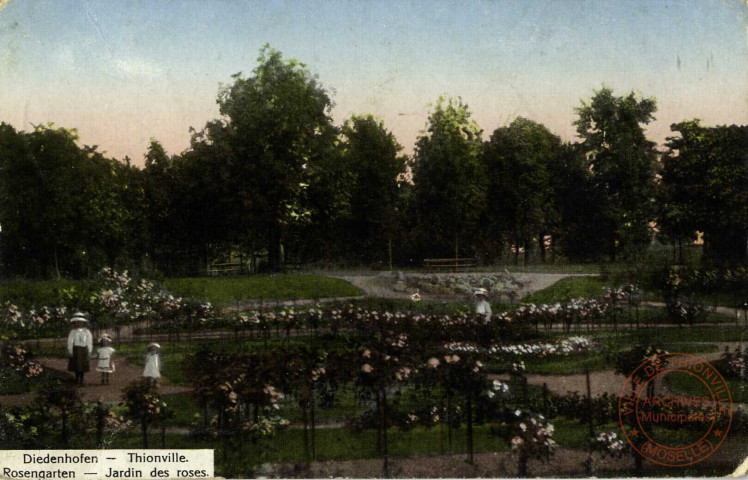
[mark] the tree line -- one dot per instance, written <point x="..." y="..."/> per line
<point x="273" y="180"/>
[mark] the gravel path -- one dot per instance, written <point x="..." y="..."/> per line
<point x="380" y="284"/>
<point x="93" y="390"/>
<point x="601" y="381"/>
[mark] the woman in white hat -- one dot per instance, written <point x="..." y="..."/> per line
<point x="80" y="346"/>
<point x="152" y="368"/>
<point x="482" y="307"/>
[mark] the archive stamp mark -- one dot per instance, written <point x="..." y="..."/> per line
<point x="675" y="409"/>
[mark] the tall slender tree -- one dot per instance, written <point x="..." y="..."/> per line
<point x="622" y="163"/>
<point x="449" y="191"/>
<point x="519" y="159"/>
<point x="372" y="154"/>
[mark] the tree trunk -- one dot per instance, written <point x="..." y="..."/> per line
<point x="274" y="249"/>
<point x="541" y="244"/>
<point x="64" y="427"/>
<point x="386" y="468"/>
<point x="144" y="429"/>
<point x="449" y="418"/>
<point x="457" y="250"/>
<point x="378" y="406"/>
<point x="305" y="419"/>
<point x="57" y="266"/>
<point x="522" y="470"/>
<point x="311" y="412"/>
<point x="99" y="425"/>
<point x="389" y="250"/>
<point x="469" y="414"/>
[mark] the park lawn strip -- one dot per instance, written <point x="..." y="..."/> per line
<point x="347" y="444"/>
<point x="568" y="288"/>
<point x="224" y="291"/>
<point x="690" y="385"/>
<point x="37" y="294"/>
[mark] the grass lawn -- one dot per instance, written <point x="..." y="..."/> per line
<point x="688" y="384"/>
<point x="568" y="288"/>
<point x="36" y="294"/>
<point x="346" y="444"/>
<point x="223" y="291"/>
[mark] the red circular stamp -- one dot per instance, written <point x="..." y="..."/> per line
<point x="675" y="409"/>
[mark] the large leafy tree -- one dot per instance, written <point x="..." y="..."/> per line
<point x="621" y="161"/>
<point x="449" y="180"/>
<point x="275" y="117"/>
<point x="158" y="187"/>
<point x="372" y="154"/>
<point x="63" y="207"/>
<point x="519" y="161"/>
<point x="705" y="187"/>
<point x="582" y="221"/>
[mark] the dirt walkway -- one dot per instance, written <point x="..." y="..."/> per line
<point x="602" y="381"/>
<point x="93" y="390"/>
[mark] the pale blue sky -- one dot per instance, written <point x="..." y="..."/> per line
<point x="123" y="72"/>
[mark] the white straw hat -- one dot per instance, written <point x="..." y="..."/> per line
<point x="78" y="317"/>
<point x="480" y="291"/>
<point x="156" y="345"/>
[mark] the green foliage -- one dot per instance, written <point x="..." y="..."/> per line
<point x="621" y="162"/>
<point x="372" y="155"/>
<point x="704" y="175"/>
<point x="449" y="191"/>
<point x="279" y="121"/>
<point x="62" y="206"/>
<point x="520" y="199"/>
<point x="228" y="290"/>
<point x="568" y="288"/>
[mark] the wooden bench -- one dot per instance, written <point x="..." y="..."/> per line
<point x="453" y="263"/>
<point x="218" y="269"/>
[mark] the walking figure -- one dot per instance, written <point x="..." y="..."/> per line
<point x="80" y="346"/>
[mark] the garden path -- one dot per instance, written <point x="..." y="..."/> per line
<point x="380" y="284"/>
<point x="93" y="390"/>
<point x="602" y="381"/>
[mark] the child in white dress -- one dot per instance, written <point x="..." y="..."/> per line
<point x="152" y="368"/>
<point x="105" y="358"/>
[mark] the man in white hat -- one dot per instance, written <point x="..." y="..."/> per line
<point x="482" y="307"/>
<point x="80" y="346"/>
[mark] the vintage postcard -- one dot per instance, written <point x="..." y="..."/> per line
<point x="409" y="239"/>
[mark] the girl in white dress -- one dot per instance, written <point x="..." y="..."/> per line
<point x="152" y="368"/>
<point x="105" y="358"/>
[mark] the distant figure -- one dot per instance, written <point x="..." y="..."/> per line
<point x="80" y="346"/>
<point x="105" y="356"/>
<point x="152" y="368"/>
<point x="482" y="307"/>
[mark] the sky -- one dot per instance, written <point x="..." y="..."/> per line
<point x="125" y="72"/>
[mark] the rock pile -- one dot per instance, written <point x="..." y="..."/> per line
<point x="497" y="284"/>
